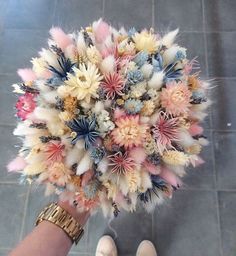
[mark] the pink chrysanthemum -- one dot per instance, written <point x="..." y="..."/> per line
<point x="25" y="105"/>
<point x="165" y="131"/>
<point x="129" y="131"/>
<point x="121" y="163"/>
<point x="175" y="98"/>
<point x="54" y="152"/>
<point x="113" y="85"/>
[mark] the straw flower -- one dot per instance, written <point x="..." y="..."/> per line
<point x="174" y="157"/>
<point x="175" y="98"/>
<point x="129" y="131"/>
<point x="145" y="41"/>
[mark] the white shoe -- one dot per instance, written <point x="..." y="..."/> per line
<point x="146" y="248"/>
<point x="106" y="247"/>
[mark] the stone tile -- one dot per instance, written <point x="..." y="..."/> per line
<point x="7" y="99"/>
<point x="227" y="208"/>
<point x="220" y="15"/>
<point x="185" y="14"/>
<point x="224" y="146"/>
<point x="4" y="252"/>
<point x="18" y="47"/>
<point x="194" y="43"/>
<point x="3" y="6"/>
<point x="202" y="176"/>
<point x="187" y="225"/>
<point x="73" y="14"/>
<point x="7" y="153"/>
<point x="29" y="14"/>
<point x="221" y="54"/>
<point x="12" y="208"/>
<point x="132" y="13"/>
<point x="130" y="231"/>
<point x="224" y="104"/>
<point x="37" y="201"/>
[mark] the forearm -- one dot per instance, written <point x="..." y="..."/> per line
<point x="45" y="240"/>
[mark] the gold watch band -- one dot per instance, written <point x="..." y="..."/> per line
<point x="58" y="216"/>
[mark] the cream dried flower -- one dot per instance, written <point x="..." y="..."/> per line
<point x="134" y="180"/>
<point x="148" y="108"/>
<point x="173" y="157"/>
<point x="93" y="55"/>
<point x="83" y="84"/>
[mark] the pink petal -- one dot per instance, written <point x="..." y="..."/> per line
<point x="170" y="177"/>
<point x="102" y="31"/>
<point x="16" y="165"/>
<point x="58" y="35"/>
<point x="26" y="74"/>
<point x="138" y="154"/>
<point x="195" y="129"/>
<point x="118" y="113"/>
<point x="151" y="168"/>
<point x="87" y="176"/>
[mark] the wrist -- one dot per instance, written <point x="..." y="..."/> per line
<point x="80" y="217"/>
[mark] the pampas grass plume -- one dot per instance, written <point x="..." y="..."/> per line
<point x="108" y="64"/>
<point x="169" y="38"/>
<point x="61" y="39"/>
<point x="156" y="81"/>
<point x="26" y="74"/>
<point x="85" y="164"/>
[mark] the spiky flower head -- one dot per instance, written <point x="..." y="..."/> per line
<point x="145" y="41"/>
<point x="113" y="85"/>
<point x="84" y="129"/>
<point x="165" y="131"/>
<point x="121" y="163"/>
<point x="129" y="131"/>
<point x="133" y="106"/>
<point x="175" y="98"/>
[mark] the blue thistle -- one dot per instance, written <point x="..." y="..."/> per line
<point x="84" y="129"/>
<point x="180" y="55"/>
<point x="133" y="106"/>
<point x="198" y="97"/>
<point x="141" y="58"/>
<point x="158" y="184"/>
<point x="97" y="154"/>
<point x="132" y="31"/>
<point x="135" y="76"/>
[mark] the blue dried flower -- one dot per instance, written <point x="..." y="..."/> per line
<point x="180" y="55"/>
<point x="135" y="76"/>
<point x="141" y="58"/>
<point x="131" y="32"/>
<point x="97" y="154"/>
<point x="198" y="97"/>
<point x="133" y="106"/>
<point x="84" y="129"/>
<point x="158" y="184"/>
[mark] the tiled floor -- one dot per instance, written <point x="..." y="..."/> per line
<point x="200" y="219"/>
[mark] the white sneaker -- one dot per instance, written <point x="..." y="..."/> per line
<point x="106" y="247"/>
<point x="146" y="248"/>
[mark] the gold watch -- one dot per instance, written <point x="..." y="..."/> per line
<point x="58" y="216"/>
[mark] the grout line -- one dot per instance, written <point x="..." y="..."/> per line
<point x="24" y="214"/>
<point x="216" y="194"/>
<point x="153" y="14"/>
<point x="103" y="8"/>
<point x="54" y="11"/>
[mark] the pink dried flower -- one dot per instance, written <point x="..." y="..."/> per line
<point x="129" y="131"/>
<point x="113" y="85"/>
<point x="121" y="163"/>
<point x="25" y="105"/>
<point x="84" y="203"/>
<point x="26" y="74"/>
<point x="175" y="98"/>
<point x="59" y="174"/>
<point x="54" y="152"/>
<point x="60" y="37"/>
<point x="165" y="131"/>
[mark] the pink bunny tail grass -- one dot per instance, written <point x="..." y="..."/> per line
<point x="58" y="35"/>
<point x="102" y="31"/>
<point x="170" y="177"/>
<point x="26" y="74"/>
<point x="151" y="168"/>
<point x="138" y="154"/>
<point x="195" y="129"/>
<point x="16" y="165"/>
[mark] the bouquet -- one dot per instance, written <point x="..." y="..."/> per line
<point x="110" y="118"/>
